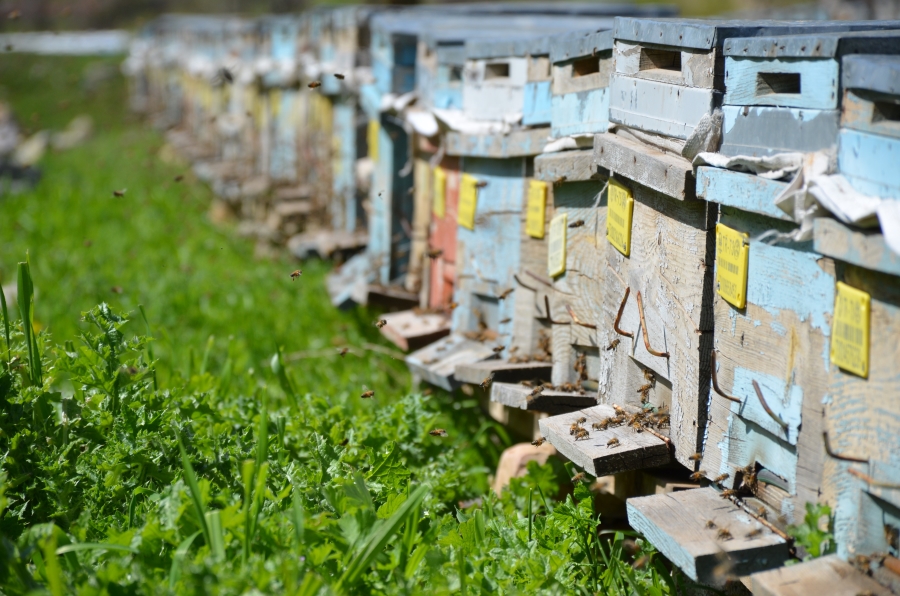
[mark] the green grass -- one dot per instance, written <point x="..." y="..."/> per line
<point x="184" y="455"/>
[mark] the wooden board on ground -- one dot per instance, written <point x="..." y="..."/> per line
<point x="518" y="396"/>
<point x="502" y="371"/>
<point x="676" y="524"/>
<point x="634" y="451"/>
<point x="436" y="363"/>
<point x="409" y="330"/>
<point x="826" y="575"/>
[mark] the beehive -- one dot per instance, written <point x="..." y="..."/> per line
<point x="582" y="65"/>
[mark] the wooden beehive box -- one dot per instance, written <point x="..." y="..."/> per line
<point x="582" y="64"/>
<point x="783" y="93"/>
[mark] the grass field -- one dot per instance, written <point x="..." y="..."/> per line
<point x="182" y="455"/>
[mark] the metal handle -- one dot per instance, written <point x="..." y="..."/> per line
<point x="869" y="480"/>
<point x="644" y="330"/>
<point x="575" y="319"/>
<point x="516" y="277"/>
<point x="838" y="456"/>
<point x="766" y="407"/>
<point x="619" y="316"/>
<point x="715" y="380"/>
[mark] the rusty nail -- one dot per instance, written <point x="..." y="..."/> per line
<point x="516" y="277"/>
<point x="869" y="480"/>
<point x="619" y="316"/>
<point x="550" y="316"/>
<point x="766" y="407"/>
<point x="715" y="380"/>
<point x="644" y="330"/>
<point x="838" y="456"/>
<point x="575" y="319"/>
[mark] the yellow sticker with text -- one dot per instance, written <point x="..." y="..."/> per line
<point x="372" y="139"/>
<point x="468" y="196"/>
<point x="850" y="336"/>
<point x="732" y="262"/>
<point x="439" y="207"/>
<point x="620" y="206"/>
<point x="537" y="207"/>
<point x="556" y="247"/>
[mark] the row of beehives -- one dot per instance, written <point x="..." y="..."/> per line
<point x="586" y="208"/>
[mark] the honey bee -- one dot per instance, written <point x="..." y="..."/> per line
<point x="645" y="396"/>
<point x="754" y="533"/>
<point x="435" y="253"/>
<point x="481" y="184"/>
<point x="427" y="391"/>
<point x="503" y="322"/>
<point x="438" y="432"/>
<point x="452" y="305"/>
<point x="178" y="178"/>
<point x="641" y="562"/>
<point x="645" y="388"/>
<point x="762" y="512"/>
<point x="536" y="392"/>
<point x="721" y="477"/>
<point x="314" y="84"/>
<point x="560" y="180"/>
<point x="698" y="475"/>
<point x="343" y="352"/>
<point x="13" y="15"/>
<point x="486" y="382"/>
<point x="574" y="428"/>
<point x="578" y="477"/>
<point x="116" y="289"/>
<point x="613" y="345"/>
<point x="613" y="442"/>
<point x="581" y="420"/>
<point x="696" y="457"/>
<point x="295" y="274"/>
<point x="603" y="425"/>
<point x="620" y="419"/>
<point x="505" y="293"/>
<point x="724" y="534"/>
<point x="344" y="442"/>
<point x="339" y="76"/>
<point x="619" y="410"/>
<point x="648" y="374"/>
<point x="726" y="494"/>
<point x="581" y="434"/>
<point x="710" y="524"/>
<point x="119" y="193"/>
<point x="380" y="323"/>
<point x="498" y="349"/>
<point x="538" y="442"/>
<point x="577" y="223"/>
<point x="367" y="394"/>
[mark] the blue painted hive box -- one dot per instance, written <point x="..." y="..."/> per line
<point x="582" y="65"/>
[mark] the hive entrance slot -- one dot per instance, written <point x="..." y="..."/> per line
<point x="496" y="70"/>
<point x="769" y="83"/>
<point x="585" y="66"/>
<point x="886" y="112"/>
<point x="456" y="74"/>
<point x="660" y="59"/>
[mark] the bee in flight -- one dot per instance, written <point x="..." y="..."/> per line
<point x="696" y="457"/>
<point x="487" y="382"/>
<point x="380" y="323"/>
<point x="315" y="84"/>
<point x="179" y="178"/>
<point x="612" y="345"/>
<point x="481" y="184"/>
<point x="538" y="442"/>
<point x="435" y="253"/>
<point x="367" y="393"/>
<point x="343" y="352"/>
<point x="119" y="193"/>
<point x="295" y="274"/>
<point x="505" y="293"/>
<point x="698" y="475"/>
<point x="498" y="349"/>
<point x="438" y="432"/>
<point x="721" y="478"/>
<point x="339" y="76"/>
<point x="578" y="477"/>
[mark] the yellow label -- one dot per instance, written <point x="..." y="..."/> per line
<point x="850" y="336"/>
<point x="439" y="206"/>
<point x="275" y="102"/>
<point x="556" y="249"/>
<point x="537" y="206"/>
<point x="732" y="261"/>
<point x="372" y="139"/>
<point x="468" y="196"/>
<point x="618" y="217"/>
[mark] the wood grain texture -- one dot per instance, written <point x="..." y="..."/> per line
<point x="863" y="248"/>
<point x="781" y="341"/>
<point x="825" y="575"/>
<point x="409" y="330"/>
<point x="536" y="103"/>
<point x="869" y="161"/>
<point x="635" y="451"/>
<point x="675" y="523"/>
<point x="817" y="80"/>
<point x="672" y="175"/>
<point x="862" y="112"/>
<point x="758" y="131"/>
<point x="502" y="371"/>
<point x="436" y="363"/>
<point x="517" y="143"/>
<point x="518" y="396"/>
<point x="582" y="112"/>
<point x="672" y="250"/>
<point x="747" y="192"/>
<point x="698" y="67"/>
<point x="872" y="73"/>
<point x="574" y="165"/>
<point x="863" y="422"/>
<point x="663" y="108"/>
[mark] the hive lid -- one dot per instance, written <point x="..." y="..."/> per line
<point x="872" y="73"/>
<point x="576" y="44"/>
<point x="883" y="37"/>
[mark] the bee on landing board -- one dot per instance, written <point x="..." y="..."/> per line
<point x="581" y="420"/>
<point x="724" y="534"/>
<point x="438" y="432"/>
<point x="582" y="434"/>
<point x="603" y="425"/>
<point x="613" y="442"/>
<point x="296" y="274"/>
<point x="577" y="223"/>
<point x="754" y="533"/>
<point x="380" y="323"/>
<point x="710" y="524"/>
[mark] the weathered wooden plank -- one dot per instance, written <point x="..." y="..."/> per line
<point x="864" y="248"/>
<point x="869" y="161"/>
<point x="518" y="143"/>
<point x="519" y="396"/>
<point x="668" y="174"/>
<point x="825" y="575"/>
<point x="502" y="371"/>
<point x="568" y="166"/>
<point x="494" y="88"/>
<point x="436" y="363"/>
<point x="786" y="82"/>
<point x="409" y="330"/>
<point x="577" y="44"/>
<point x="670" y="264"/>
<point x="423" y="187"/>
<point x="536" y="103"/>
<point x="758" y="131"/>
<point x="676" y="524"/>
<point x="663" y="108"/>
<point x="582" y="112"/>
<point x="634" y="451"/>
<point x="871" y="112"/>
<point x="780" y="341"/>
<point x="862" y="423"/>
<point x="880" y="74"/>
<point x="567" y="77"/>
<point x="687" y="67"/>
<point x="747" y="192"/>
